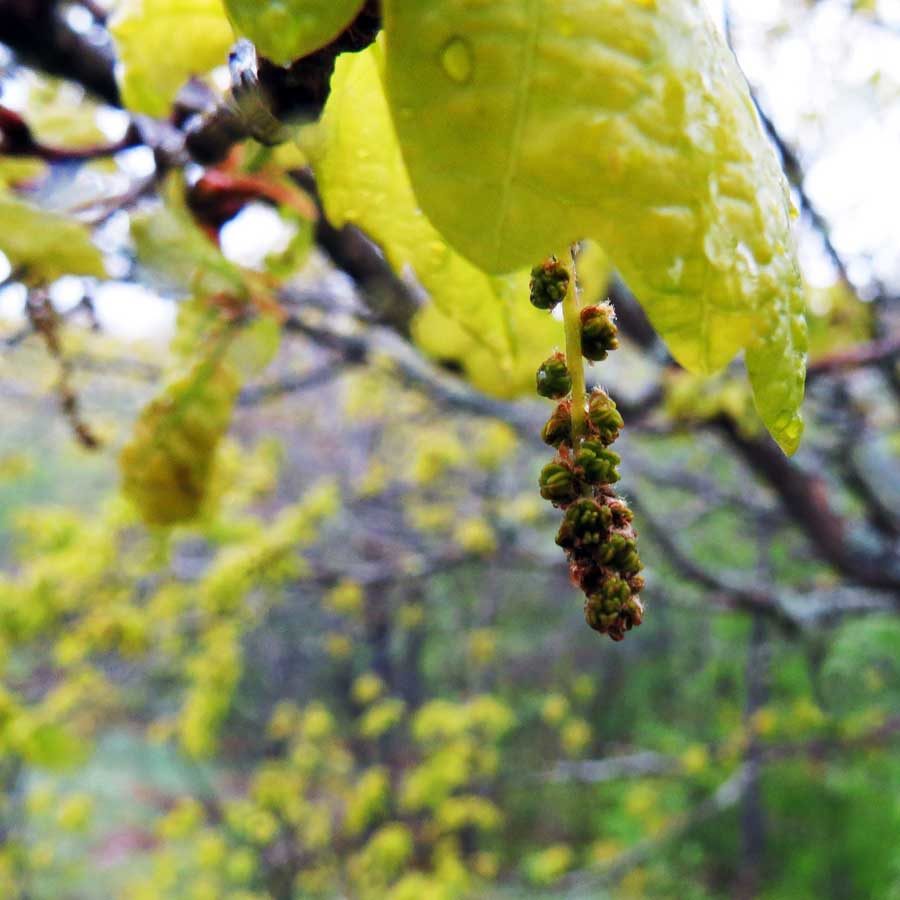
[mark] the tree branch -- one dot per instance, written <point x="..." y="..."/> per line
<point x="805" y="497"/>
<point x="728" y="795"/>
<point x="38" y="31"/>
<point x="723" y="592"/>
<point x="886" y="350"/>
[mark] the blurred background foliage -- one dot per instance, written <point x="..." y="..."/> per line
<point x="359" y="669"/>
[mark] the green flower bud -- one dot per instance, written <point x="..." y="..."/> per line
<point x="602" y="622"/>
<point x="612" y="595"/>
<point x="559" y="484"/>
<point x="630" y="562"/>
<point x="549" y="284"/>
<point x="599" y="335"/>
<point x="553" y="379"/>
<point x="603" y="608"/>
<point x="620" y="552"/>
<point x="605" y="419"/>
<point x="614" y="608"/>
<point x="596" y="531"/>
<point x="586" y="523"/>
<point x="558" y="429"/>
<point x="597" y="463"/>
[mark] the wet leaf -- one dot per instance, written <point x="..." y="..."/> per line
<point x="528" y="126"/>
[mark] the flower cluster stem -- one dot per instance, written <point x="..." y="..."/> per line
<point x="597" y="531"/>
<point x="572" y="322"/>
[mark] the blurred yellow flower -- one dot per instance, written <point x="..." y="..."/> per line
<point x="695" y="759"/>
<point x="554" y="709"/>
<point x="345" y="598"/>
<point x="338" y="646"/>
<point x="475" y="535"/>
<point x="550" y="864"/>
<point x="367" y="688"/>
<point x="482" y="646"/>
<point x="575" y="735"/>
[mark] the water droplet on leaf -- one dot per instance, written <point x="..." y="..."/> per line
<point x="438" y="252"/>
<point x="456" y="60"/>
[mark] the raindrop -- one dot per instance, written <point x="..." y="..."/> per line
<point x="456" y="59"/>
<point x="438" y="252"/>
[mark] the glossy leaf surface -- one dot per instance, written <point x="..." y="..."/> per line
<point x="527" y="126"/>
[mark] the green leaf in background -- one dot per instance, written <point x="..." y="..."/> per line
<point x="220" y="340"/>
<point x="205" y="322"/>
<point x="61" y="115"/>
<point x="534" y="332"/>
<point x="17" y="170"/>
<point x="162" y="43"/>
<point x="48" y="744"/>
<point x="169" y="243"/>
<point x="363" y="181"/>
<point x="509" y="375"/>
<point x="167" y="465"/>
<point x="863" y="657"/>
<point x="255" y="346"/>
<point x="46" y="245"/>
<point x="527" y="126"/>
<point x="285" y="30"/>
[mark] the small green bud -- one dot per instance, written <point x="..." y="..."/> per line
<point x="558" y="429"/>
<point x="630" y="562"/>
<point x="612" y="605"/>
<point x="586" y="523"/>
<point x="558" y="484"/>
<point x="549" y="284"/>
<point x="597" y="463"/>
<point x="605" y="419"/>
<point x="598" y="620"/>
<point x="553" y="380"/>
<point x="603" y="608"/>
<point x="620" y="553"/>
<point x="599" y="335"/>
<point x="613" y="594"/>
<point x="630" y="612"/>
